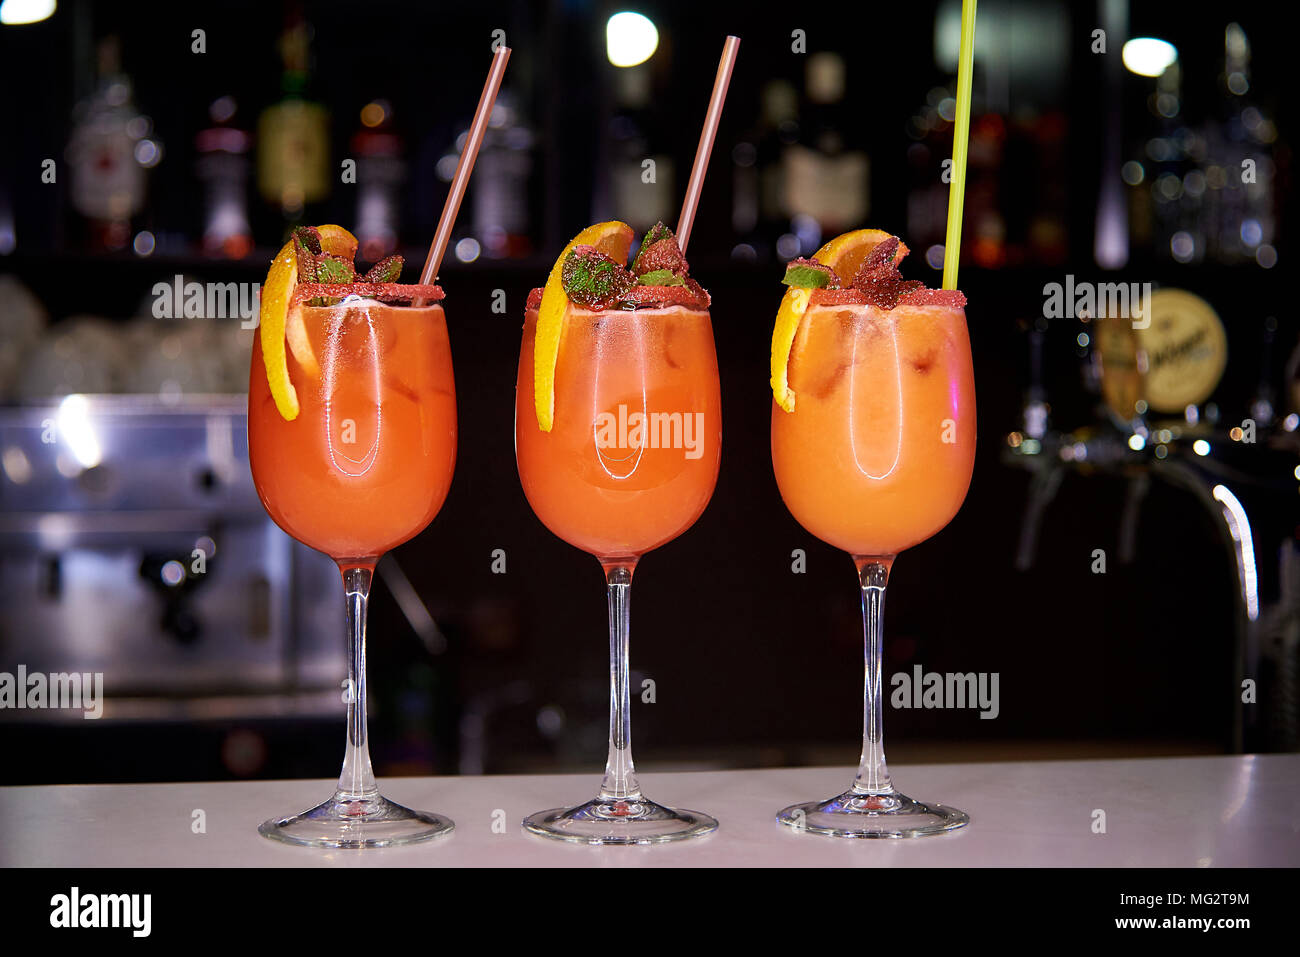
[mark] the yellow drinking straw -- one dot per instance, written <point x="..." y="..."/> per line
<point x="960" y="140"/>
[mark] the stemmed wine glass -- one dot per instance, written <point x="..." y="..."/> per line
<point x="629" y="464"/>
<point x="364" y="466"/>
<point x="875" y="457"/>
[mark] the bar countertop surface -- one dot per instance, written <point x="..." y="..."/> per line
<point x="1241" y="810"/>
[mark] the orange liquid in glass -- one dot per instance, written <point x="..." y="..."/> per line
<point x="368" y="461"/>
<point x="878" y="452"/>
<point x="633" y="455"/>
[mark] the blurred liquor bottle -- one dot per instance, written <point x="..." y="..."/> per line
<point x="500" y="185"/>
<point x="293" y="133"/>
<point x="826" y="182"/>
<point x="222" y="167"/>
<point x="1179" y="186"/>
<point x="1035" y="163"/>
<point x="1156" y="171"/>
<point x="984" y="228"/>
<point x="758" y="216"/>
<point x="380" y="153"/>
<point x="1206" y="192"/>
<point x="1003" y="158"/>
<point x="641" y="188"/>
<point x="930" y="128"/>
<point x="1240" y="210"/>
<point x="109" y="153"/>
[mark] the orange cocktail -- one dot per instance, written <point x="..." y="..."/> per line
<point x="352" y="443"/>
<point x="368" y="461"/>
<point x="873" y="442"/>
<point x="618" y="436"/>
<point x="633" y="456"/>
<point x="877" y="454"/>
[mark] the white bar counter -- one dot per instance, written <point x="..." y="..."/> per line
<point x="1239" y="810"/>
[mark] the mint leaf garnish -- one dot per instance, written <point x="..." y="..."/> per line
<point x="660" y="277"/>
<point x="332" y="270"/>
<point x="387" y="269"/>
<point x="335" y="269"/>
<point x="592" y="279"/>
<point x="810" y="274"/>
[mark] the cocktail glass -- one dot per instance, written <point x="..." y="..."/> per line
<point x="629" y="464"/>
<point x="364" y="466"/>
<point x="875" y="457"/>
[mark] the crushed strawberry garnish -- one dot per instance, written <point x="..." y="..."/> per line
<point x="383" y="291"/>
<point x="879" y="260"/>
<point x="879" y="279"/>
<point x="877" y="282"/>
<point x="658" y="276"/>
<point x="659" y="255"/>
<point x="639" y="296"/>
<point x="837" y="297"/>
<point x="691" y="295"/>
<point x="945" y="298"/>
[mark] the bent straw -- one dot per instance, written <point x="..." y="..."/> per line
<point x="711" y="120"/>
<point x="960" y="141"/>
<point x="463" y="168"/>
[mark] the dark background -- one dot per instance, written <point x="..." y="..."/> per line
<point x="753" y="665"/>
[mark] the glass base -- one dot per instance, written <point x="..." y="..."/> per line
<point x="619" y="822"/>
<point x="853" y="814"/>
<point x="370" y="822"/>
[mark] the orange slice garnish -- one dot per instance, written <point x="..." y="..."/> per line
<point x="280" y="318"/>
<point x="336" y="241"/>
<point x="277" y="294"/>
<point x="614" y="239"/>
<point x="793" y="305"/>
<point x="845" y="254"/>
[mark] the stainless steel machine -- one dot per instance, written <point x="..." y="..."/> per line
<point x="132" y="543"/>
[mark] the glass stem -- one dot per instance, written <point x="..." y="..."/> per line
<point x="620" y="782"/>
<point x="873" y="775"/>
<point x="357" y="781"/>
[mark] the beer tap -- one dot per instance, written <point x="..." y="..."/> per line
<point x="1194" y="453"/>
<point x="1027" y="446"/>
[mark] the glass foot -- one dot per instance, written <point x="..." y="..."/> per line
<point x="619" y="822"/>
<point x="872" y="815"/>
<point x="370" y="822"/>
